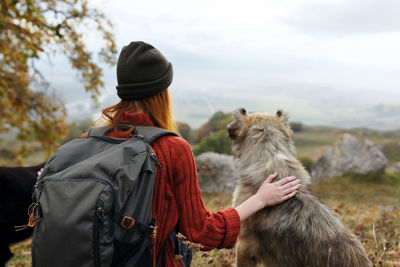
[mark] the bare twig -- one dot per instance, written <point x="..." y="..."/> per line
<point x="374" y="235"/>
<point x="190" y="245"/>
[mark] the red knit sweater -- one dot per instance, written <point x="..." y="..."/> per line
<point x="177" y="197"/>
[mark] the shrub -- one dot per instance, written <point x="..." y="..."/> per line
<point x="218" y="122"/>
<point x="217" y="142"/>
<point x="307" y="163"/>
<point x="296" y="126"/>
<point x="184" y="130"/>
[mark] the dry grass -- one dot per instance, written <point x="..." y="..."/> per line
<point x="370" y="206"/>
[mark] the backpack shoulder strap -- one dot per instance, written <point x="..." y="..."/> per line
<point x="104" y="130"/>
<point x="99" y="131"/>
<point x="151" y="133"/>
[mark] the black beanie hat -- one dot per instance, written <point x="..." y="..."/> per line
<point x="142" y="71"/>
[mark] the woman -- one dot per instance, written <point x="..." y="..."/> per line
<point x="144" y="75"/>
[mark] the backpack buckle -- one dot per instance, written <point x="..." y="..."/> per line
<point x="152" y="231"/>
<point x="127" y="222"/>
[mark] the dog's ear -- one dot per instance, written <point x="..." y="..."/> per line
<point x="283" y="116"/>
<point x="234" y="126"/>
<point x="285" y="120"/>
<point x="239" y="114"/>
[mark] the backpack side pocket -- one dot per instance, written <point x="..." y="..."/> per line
<point x="74" y="227"/>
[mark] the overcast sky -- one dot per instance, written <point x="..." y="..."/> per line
<point x="324" y="62"/>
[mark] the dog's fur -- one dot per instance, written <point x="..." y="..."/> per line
<point x="16" y="185"/>
<point x="298" y="232"/>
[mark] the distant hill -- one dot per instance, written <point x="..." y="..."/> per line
<point x="310" y="141"/>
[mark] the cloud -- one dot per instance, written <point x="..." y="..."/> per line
<point x="385" y="111"/>
<point x="325" y="62"/>
<point x="343" y="18"/>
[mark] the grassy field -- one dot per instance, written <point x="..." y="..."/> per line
<point x="369" y="205"/>
<point x="313" y="141"/>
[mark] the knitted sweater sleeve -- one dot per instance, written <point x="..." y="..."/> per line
<point x="212" y="230"/>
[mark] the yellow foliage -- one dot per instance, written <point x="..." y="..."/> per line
<point x="30" y="29"/>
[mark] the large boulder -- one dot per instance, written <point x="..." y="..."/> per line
<point x="216" y="173"/>
<point x="350" y="155"/>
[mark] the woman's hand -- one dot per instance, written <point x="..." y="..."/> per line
<point x="269" y="194"/>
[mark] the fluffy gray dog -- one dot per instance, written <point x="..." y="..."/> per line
<point x="299" y="232"/>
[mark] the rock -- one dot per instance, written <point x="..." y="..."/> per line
<point x="350" y="155"/>
<point x="216" y="173"/>
<point x="395" y="168"/>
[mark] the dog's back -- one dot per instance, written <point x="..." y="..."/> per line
<point x="308" y="233"/>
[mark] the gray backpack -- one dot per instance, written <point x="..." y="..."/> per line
<point x="93" y="202"/>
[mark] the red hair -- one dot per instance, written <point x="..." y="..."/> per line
<point x="159" y="108"/>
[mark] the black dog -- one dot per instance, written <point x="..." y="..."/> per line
<point x="16" y="185"/>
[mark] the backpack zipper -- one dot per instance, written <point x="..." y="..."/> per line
<point x="96" y="231"/>
<point x="153" y="155"/>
